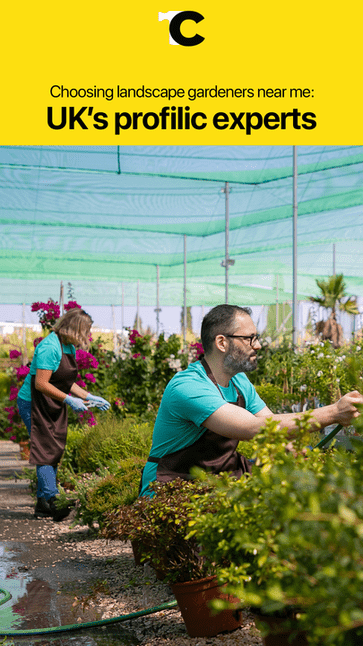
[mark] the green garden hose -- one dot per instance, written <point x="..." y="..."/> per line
<point x="88" y="624"/>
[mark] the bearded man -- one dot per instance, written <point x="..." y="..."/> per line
<point x="209" y="407"/>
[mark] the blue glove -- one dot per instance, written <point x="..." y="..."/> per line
<point x="101" y="403"/>
<point x="76" y="404"/>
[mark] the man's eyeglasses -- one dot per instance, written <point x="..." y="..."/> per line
<point x="252" y="338"/>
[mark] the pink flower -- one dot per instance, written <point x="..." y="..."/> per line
<point x="135" y="356"/>
<point x="90" y="377"/>
<point x="37" y="341"/>
<point x="14" y="354"/>
<point x="13" y="438"/>
<point x="13" y="392"/>
<point x="133" y="335"/>
<point x="37" y="306"/>
<point x="80" y="383"/>
<point x="22" y="372"/>
<point x="85" y="359"/>
<point x="197" y="349"/>
<point x="118" y="402"/>
<point x="71" y="305"/>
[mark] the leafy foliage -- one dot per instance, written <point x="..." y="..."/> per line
<point x="106" y="444"/>
<point x="95" y="494"/>
<point x="292" y="534"/>
<point x="159" y="526"/>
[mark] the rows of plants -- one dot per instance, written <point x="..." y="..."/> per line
<point x="134" y="379"/>
<point x="287" y="538"/>
<point x="286" y="542"/>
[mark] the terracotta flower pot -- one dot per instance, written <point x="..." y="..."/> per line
<point x="193" y="598"/>
<point x="280" y="633"/>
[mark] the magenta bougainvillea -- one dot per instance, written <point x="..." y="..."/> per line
<point x="85" y="360"/>
<point x="71" y="305"/>
<point x="196" y="349"/>
<point x="48" y="313"/>
<point x="14" y="354"/>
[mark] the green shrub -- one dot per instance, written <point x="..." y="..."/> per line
<point x="5" y="382"/>
<point x="109" y="442"/>
<point x="292" y="534"/>
<point x="159" y="525"/>
<point x="273" y="396"/>
<point x="75" y="437"/>
<point x="95" y="494"/>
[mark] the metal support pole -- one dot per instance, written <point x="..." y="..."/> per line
<point x="185" y="292"/>
<point x="114" y="331"/>
<point x="294" y="254"/>
<point x="61" y="299"/>
<point x="138" y="307"/>
<point x="25" y="351"/>
<point x="157" y="309"/>
<point x="227" y="239"/>
<point x="334" y="259"/>
<point x="227" y="260"/>
<point x="122" y="307"/>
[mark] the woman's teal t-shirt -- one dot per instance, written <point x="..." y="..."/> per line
<point x="47" y="356"/>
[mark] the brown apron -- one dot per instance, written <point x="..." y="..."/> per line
<point x="49" y="416"/>
<point x="212" y="452"/>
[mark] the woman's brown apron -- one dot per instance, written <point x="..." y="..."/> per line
<point x="212" y="452"/>
<point x="49" y="416"/>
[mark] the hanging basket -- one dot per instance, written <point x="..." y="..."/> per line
<point x="193" y="598"/>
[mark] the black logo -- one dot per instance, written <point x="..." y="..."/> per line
<point x="176" y="20"/>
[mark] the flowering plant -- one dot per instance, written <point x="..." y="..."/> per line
<point x="71" y="305"/>
<point x="13" y="426"/>
<point x="48" y="313"/>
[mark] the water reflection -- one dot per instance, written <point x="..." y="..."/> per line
<point x="35" y="604"/>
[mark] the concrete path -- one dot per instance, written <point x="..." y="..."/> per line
<point x="14" y="491"/>
<point x="11" y="463"/>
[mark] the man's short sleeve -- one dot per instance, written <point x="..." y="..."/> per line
<point x="195" y="404"/>
<point x="254" y="403"/>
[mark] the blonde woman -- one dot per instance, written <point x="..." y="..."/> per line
<point x="42" y="399"/>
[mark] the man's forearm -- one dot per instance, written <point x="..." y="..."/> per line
<point x="320" y="418"/>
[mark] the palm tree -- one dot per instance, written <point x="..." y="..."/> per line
<point x="332" y="295"/>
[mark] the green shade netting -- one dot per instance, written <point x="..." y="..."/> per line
<point x="103" y="217"/>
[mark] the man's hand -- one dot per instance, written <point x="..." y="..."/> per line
<point x="346" y="407"/>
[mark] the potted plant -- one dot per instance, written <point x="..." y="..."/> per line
<point x="293" y="537"/>
<point x="159" y="526"/>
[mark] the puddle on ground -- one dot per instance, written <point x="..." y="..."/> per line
<point x="36" y="604"/>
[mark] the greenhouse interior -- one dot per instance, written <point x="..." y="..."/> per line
<point x="158" y="229"/>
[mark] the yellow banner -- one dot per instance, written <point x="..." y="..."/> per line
<point x="146" y="73"/>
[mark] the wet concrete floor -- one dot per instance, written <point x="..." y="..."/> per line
<point x="43" y="578"/>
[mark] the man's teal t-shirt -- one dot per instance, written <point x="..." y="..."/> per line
<point x="189" y="398"/>
<point x="47" y="356"/>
